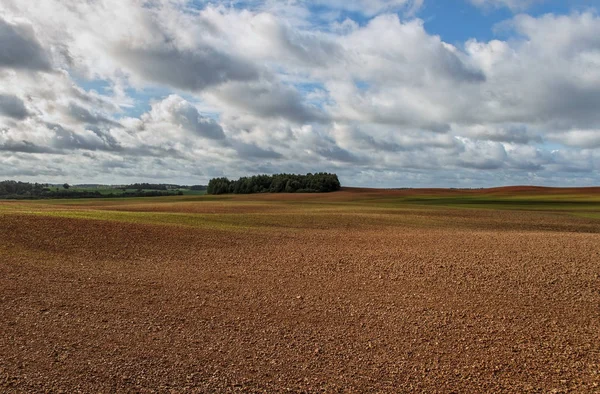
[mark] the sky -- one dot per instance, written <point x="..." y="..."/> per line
<point x="385" y="93"/>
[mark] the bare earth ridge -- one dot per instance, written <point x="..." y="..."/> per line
<point x="349" y="292"/>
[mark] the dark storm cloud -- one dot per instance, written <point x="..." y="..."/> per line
<point x="482" y="163"/>
<point x="24" y="146"/>
<point x="191" y="70"/>
<point x="20" y="49"/>
<point x="450" y="64"/>
<point x="516" y="134"/>
<point x="272" y="100"/>
<point x="339" y="154"/>
<point x="105" y="136"/>
<point x="65" y="140"/>
<point x="188" y="116"/>
<point x="13" y="107"/>
<point x="575" y="106"/>
<point x="112" y="164"/>
<point x="69" y="140"/>
<point x="245" y="150"/>
<point x="34" y="172"/>
<point x="84" y="115"/>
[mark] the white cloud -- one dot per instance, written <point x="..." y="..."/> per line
<point x="578" y="138"/>
<point x="179" y="114"/>
<point x="373" y="7"/>
<point x="515" y="5"/>
<point x="298" y="12"/>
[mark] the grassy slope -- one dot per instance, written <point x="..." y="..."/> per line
<point x="351" y="207"/>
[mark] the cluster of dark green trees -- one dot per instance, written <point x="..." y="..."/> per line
<point x="279" y="183"/>
<point x="14" y="188"/>
<point x="148" y="186"/>
<point x="26" y="190"/>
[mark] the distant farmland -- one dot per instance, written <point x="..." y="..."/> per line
<point x="362" y="290"/>
<point x="116" y="190"/>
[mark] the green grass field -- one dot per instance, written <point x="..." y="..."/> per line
<point x="348" y="208"/>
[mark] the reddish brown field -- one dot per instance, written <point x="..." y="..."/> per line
<point x="356" y="291"/>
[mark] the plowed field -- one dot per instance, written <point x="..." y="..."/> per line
<point x="356" y="291"/>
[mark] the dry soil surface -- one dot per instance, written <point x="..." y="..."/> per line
<point x="493" y="301"/>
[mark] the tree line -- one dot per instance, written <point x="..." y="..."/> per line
<point x="148" y="186"/>
<point x="161" y="186"/>
<point x="26" y="190"/>
<point x="279" y="183"/>
<point x="14" y="188"/>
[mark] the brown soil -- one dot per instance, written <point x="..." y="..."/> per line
<point x="100" y="306"/>
<point x="506" y="190"/>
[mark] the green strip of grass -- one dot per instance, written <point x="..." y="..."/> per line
<point x="191" y="220"/>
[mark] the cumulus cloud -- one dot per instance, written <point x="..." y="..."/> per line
<point x="578" y="138"/>
<point x="176" y="113"/>
<point x="562" y="91"/>
<point x="387" y="49"/>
